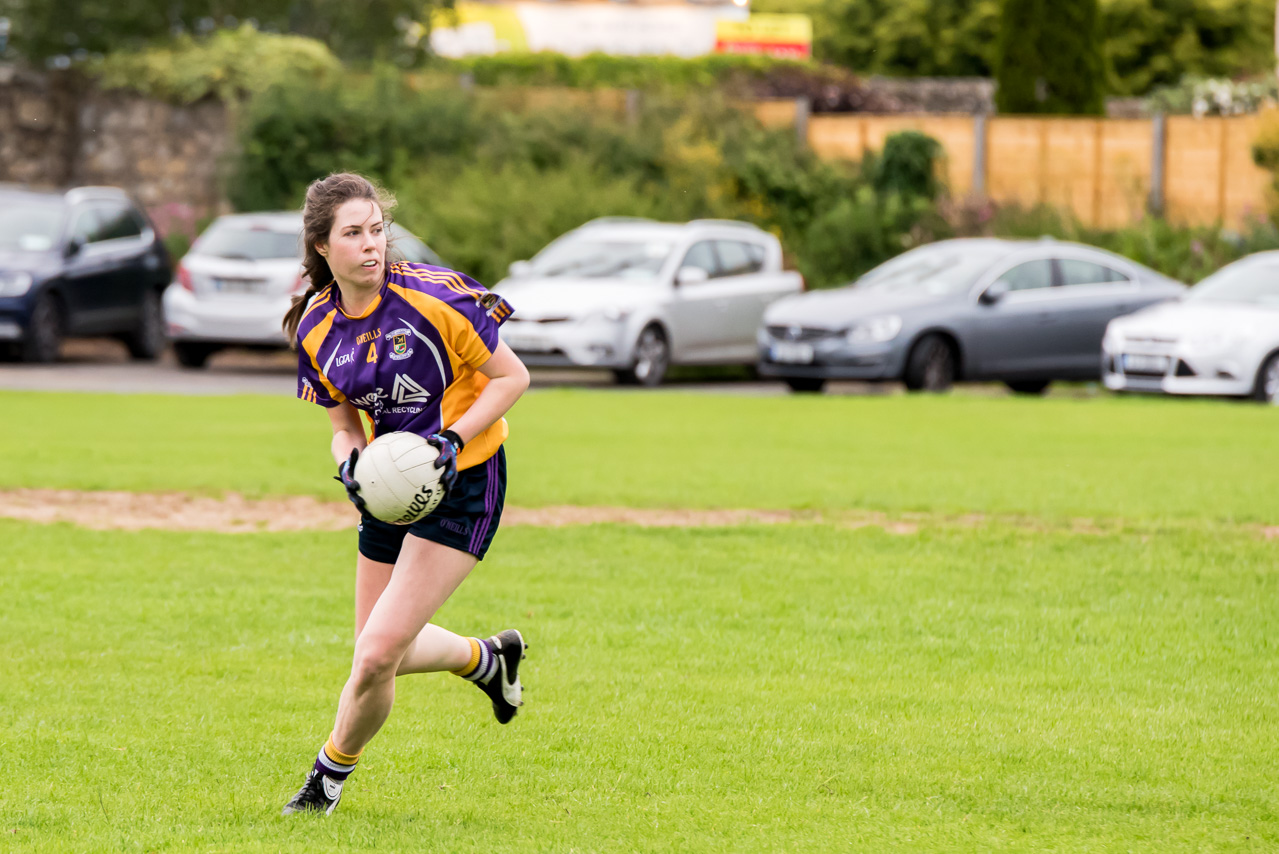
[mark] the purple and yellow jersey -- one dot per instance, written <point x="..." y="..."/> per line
<point x="409" y="362"/>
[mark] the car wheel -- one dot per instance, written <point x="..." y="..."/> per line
<point x="1267" y="390"/>
<point x="806" y="384"/>
<point x="192" y="354"/>
<point x="44" y="332"/>
<point x="652" y="358"/>
<point x="931" y="365"/>
<point x="147" y="340"/>
<point x="1028" y="386"/>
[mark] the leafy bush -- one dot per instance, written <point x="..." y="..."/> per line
<point x="908" y="165"/>
<point x="487" y="185"/>
<point x="229" y="65"/>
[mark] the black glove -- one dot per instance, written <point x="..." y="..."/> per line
<point x="346" y="476"/>
<point x="449" y="444"/>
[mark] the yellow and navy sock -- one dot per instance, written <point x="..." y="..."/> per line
<point x="333" y="763"/>
<point x="483" y="663"/>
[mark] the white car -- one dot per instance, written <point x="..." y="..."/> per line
<point x="235" y="285"/>
<point x="1221" y="338"/>
<point x="637" y="296"/>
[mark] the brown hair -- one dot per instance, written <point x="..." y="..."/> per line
<point x="323" y="198"/>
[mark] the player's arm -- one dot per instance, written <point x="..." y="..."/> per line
<point x="348" y="432"/>
<point x="508" y="378"/>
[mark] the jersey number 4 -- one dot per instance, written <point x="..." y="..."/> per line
<point x="372" y="352"/>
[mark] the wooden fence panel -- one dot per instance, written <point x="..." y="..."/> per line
<point x="1015" y="151"/>
<point x="850" y="136"/>
<point x="1245" y="182"/>
<point x="1124" y="181"/>
<point x="1098" y="169"/>
<point x="1192" y="182"/>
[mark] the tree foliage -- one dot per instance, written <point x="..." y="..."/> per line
<point x="369" y="29"/>
<point x="1146" y="43"/>
<point x="1049" y="58"/>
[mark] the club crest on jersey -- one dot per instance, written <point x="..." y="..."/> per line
<point x="400" y="348"/>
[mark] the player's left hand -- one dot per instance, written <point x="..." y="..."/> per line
<point x="449" y="444"/>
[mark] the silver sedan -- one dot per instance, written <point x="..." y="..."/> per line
<point x="1023" y="312"/>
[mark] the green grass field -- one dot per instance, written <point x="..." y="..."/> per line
<point x="798" y="687"/>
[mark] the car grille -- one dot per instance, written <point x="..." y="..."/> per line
<point x="800" y="333"/>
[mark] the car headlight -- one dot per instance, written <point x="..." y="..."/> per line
<point x="876" y="330"/>
<point x="14" y="284"/>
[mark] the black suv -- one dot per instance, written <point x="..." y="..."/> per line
<point x="83" y="262"/>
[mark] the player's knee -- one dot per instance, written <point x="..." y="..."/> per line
<point x="376" y="658"/>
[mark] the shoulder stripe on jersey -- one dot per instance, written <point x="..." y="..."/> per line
<point x="322" y="298"/>
<point x="452" y="281"/>
<point x="311" y="344"/>
<point x="456" y="330"/>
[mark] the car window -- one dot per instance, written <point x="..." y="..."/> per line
<point x="1029" y="275"/>
<point x="116" y="221"/>
<point x="737" y="259"/>
<point x="248" y="240"/>
<point x="1077" y="272"/>
<point x="85" y="225"/>
<point x="577" y="256"/>
<point x="702" y="256"/>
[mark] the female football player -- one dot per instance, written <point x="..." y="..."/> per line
<point x="414" y="348"/>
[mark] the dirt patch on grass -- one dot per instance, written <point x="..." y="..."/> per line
<point x="232" y="514"/>
<point x="235" y="514"/>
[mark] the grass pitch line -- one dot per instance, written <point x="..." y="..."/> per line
<point x="235" y="514"/>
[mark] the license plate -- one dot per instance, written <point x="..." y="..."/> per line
<point x="239" y="286"/>
<point x="792" y="353"/>
<point x="1139" y="364"/>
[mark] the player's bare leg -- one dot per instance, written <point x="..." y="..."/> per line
<point x="424" y="577"/>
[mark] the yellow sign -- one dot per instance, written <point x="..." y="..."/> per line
<point x="763" y="30"/>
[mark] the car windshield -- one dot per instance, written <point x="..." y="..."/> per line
<point x="248" y="242"/>
<point x="939" y="269"/>
<point x="602" y="259"/>
<point x="1254" y="281"/>
<point x="30" y="224"/>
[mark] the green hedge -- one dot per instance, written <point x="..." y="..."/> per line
<point x="485" y="185"/>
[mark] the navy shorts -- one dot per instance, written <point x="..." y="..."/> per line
<point x="466" y="519"/>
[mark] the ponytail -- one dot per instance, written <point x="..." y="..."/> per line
<point x="293" y="317"/>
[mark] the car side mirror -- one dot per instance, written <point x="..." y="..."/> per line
<point x="519" y="269"/>
<point x="690" y="276"/>
<point x="73" y="247"/>
<point x="993" y="294"/>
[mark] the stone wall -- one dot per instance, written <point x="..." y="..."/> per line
<point x="58" y="130"/>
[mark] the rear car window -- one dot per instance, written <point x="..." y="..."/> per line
<point x="249" y="242"/>
<point x="738" y="259"/>
<point x="1076" y="272"/>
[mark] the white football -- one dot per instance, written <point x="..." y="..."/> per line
<point x="398" y="478"/>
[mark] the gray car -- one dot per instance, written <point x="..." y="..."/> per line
<point x="1023" y="312"/>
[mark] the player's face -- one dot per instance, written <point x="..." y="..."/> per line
<point x="356" y="250"/>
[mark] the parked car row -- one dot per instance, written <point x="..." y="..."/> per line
<point x="638" y="297"/>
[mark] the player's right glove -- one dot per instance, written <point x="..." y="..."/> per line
<point x="449" y="444"/>
<point x="346" y="476"/>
